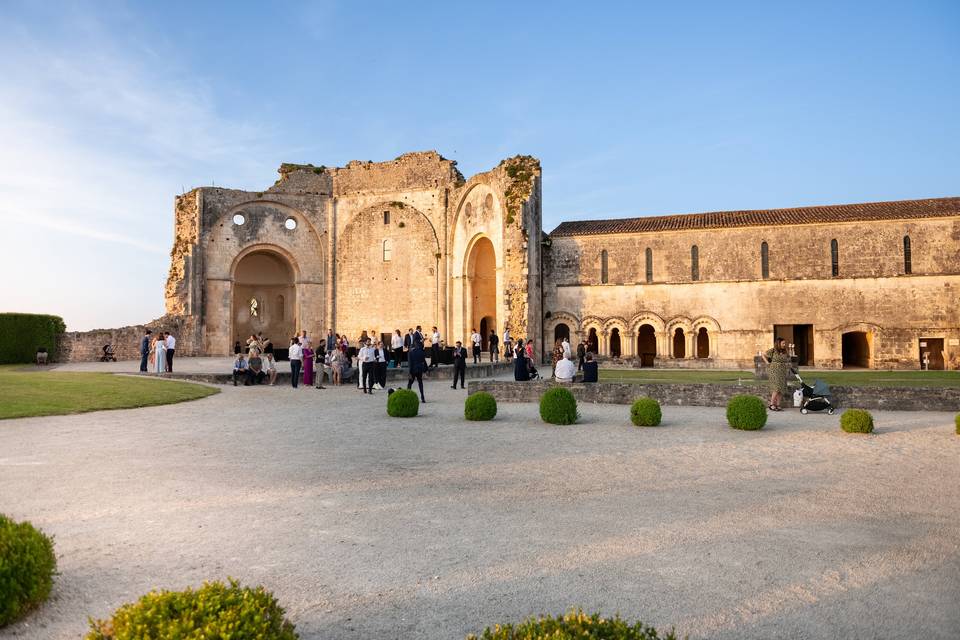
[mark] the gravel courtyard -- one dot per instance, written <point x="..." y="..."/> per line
<point x="370" y="527"/>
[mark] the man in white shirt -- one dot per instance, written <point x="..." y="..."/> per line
<point x="171" y="345"/>
<point x="435" y="349"/>
<point x="295" y="353"/>
<point x="477" y="344"/>
<point x="565" y="370"/>
<point x="567" y="351"/>
<point x="368" y="369"/>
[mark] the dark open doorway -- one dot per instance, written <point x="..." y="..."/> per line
<point x="646" y="345"/>
<point x="615" y="343"/>
<point x="593" y="344"/>
<point x="931" y="354"/>
<point x="801" y="337"/>
<point x="855" y="349"/>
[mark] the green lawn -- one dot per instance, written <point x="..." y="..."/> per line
<point x="29" y="393"/>
<point x="858" y="378"/>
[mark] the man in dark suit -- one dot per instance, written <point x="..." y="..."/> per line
<point x="459" y="365"/>
<point x="381" y="357"/>
<point x="418" y="365"/>
<point x="144" y="350"/>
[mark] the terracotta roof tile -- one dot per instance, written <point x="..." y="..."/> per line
<point x="899" y="210"/>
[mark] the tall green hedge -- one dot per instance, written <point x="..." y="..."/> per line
<point x="22" y="333"/>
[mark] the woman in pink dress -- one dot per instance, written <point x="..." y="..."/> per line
<point x="307" y="365"/>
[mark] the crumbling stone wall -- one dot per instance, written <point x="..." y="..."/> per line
<point x="87" y="346"/>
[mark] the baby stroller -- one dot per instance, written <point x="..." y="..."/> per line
<point x="108" y="354"/>
<point x="815" y="398"/>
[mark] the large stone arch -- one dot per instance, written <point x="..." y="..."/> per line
<point x="616" y="340"/>
<point x="388" y="259"/>
<point x="478" y="215"/>
<point x="679" y="346"/>
<point x="705" y="333"/>
<point x="558" y="318"/>
<point x="263" y="229"/>
<point x="264" y="294"/>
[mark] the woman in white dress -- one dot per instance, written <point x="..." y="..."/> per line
<point x="160" y="361"/>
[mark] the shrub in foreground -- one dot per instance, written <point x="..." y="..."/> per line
<point x="480" y="406"/>
<point x="27" y="567"/>
<point x="856" y="421"/>
<point x="558" y="406"/>
<point x="574" y="625"/>
<point x="746" y="412"/>
<point x="215" y="610"/>
<point x="645" y="412"/>
<point x="403" y="403"/>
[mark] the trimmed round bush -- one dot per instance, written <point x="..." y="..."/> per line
<point x="27" y="567"/>
<point x="573" y="626"/>
<point x="403" y="403"/>
<point x="215" y="610"/>
<point x="480" y="406"/>
<point x="746" y="412"/>
<point x="856" y="421"/>
<point x="645" y="412"/>
<point x="558" y="406"/>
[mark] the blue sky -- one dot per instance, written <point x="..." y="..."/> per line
<point x="109" y="109"/>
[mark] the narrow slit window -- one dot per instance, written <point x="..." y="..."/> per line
<point x="386" y="217"/>
<point x="765" y="260"/>
<point x="387" y="250"/>
<point x="834" y="258"/>
<point x="694" y="263"/>
<point x="604" y="272"/>
<point x="907" y="257"/>
<point x="649" y="260"/>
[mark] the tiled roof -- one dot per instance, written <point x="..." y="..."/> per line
<point x="900" y="210"/>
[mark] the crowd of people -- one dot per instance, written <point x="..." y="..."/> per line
<point x="338" y="360"/>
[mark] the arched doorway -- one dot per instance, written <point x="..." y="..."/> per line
<point x="482" y="287"/>
<point x="560" y="332"/>
<point x="264" y="297"/>
<point x="646" y="345"/>
<point x="703" y="343"/>
<point x="615" y="343"/>
<point x="486" y="324"/>
<point x="855" y="349"/>
<point x="593" y="343"/>
<point x="679" y="344"/>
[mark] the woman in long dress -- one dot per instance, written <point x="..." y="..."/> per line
<point x="778" y="366"/>
<point x="160" y="353"/>
<point x="307" y="365"/>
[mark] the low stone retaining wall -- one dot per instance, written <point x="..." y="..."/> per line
<point x="717" y="395"/>
<point x="87" y="346"/>
<point x="395" y="377"/>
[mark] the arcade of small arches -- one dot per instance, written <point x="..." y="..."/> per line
<point x="646" y="337"/>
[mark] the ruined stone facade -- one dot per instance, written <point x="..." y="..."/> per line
<point x="373" y="246"/>
<point x="378" y="246"/>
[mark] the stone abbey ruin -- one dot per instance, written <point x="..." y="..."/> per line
<point x="378" y="246"/>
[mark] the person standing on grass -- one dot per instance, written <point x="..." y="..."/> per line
<point x="493" y="344"/>
<point x="418" y="365"/>
<point x="171" y="347"/>
<point x="477" y="342"/>
<point x="144" y="350"/>
<point x="459" y="365"/>
<point x="296" y="361"/>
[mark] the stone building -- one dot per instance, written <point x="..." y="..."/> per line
<point x="376" y="246"/>
<point x="863" y="285"/>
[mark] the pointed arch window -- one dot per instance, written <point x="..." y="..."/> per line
<point x="694" y="263"/>
<point x="765" y="260"/>
<point x="387" y="250"/>
<point x="834" y="258"/>
<point x="648" y="254"/>
<point x="907" y="256"/>
<point x="604" y="271"/>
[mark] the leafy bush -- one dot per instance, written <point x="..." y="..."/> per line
<point x="480" y="406"/>
<point x="21" y="334"/>
<point x="558" y="406"/>
<point x="856" y="421"/>
<point x="27" y="567"/>
<point x="403" y="403"/>
<point x="215" y="610"/>
<point x="746" y="412"/>
<point x="646" y="412"/>
<point x="574" y="625"/>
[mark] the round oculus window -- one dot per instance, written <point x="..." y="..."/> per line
<point x="238" y="219"/>
<point x="290" y="223"/>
